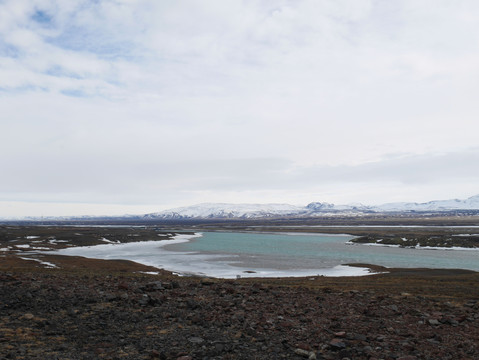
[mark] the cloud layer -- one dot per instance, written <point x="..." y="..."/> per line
<point x="169" y="103"/>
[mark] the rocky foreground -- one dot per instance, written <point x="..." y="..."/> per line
<point x="94" y="309"/>
<point x="57" y="307"/>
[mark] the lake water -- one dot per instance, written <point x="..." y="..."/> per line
<point x="227" y="255"/>
<point x="306" y="251"/>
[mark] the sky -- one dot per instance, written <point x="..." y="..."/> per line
<point x="136" y="106"/>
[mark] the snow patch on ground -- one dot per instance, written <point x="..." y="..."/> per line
<point x="109" y="241"/>
<point x="54" y="241"/>
<point x="46" y="263"/>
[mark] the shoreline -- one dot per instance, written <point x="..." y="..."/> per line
<point x="444" y="241"/>
<point x="35" y="245"/>
<point x="194" y="264"/>
<point x="417" y="247"/>
<point x="117" y="309"/>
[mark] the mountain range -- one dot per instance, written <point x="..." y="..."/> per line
<point x="252" y="211"/>
<point x="264" y="211"/>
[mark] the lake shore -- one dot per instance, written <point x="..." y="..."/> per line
<point x="84" y="308"/>
<point x="216" y="253"/>
<point x="157" y="247"/>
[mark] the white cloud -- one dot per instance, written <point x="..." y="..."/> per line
<point x="248" y="97"/>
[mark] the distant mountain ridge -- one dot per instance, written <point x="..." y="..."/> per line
<point x="252" y="211"/>
<point x="471" y="203"/>
<point x="227" y="211"/>
<point x="264" y="211"/>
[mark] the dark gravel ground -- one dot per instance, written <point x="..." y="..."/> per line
<point x="58" y="314"/>
<point x="98" y="309"/>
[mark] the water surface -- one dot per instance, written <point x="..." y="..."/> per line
<point x="306" y="251"/>
<point x="228" y="255"/>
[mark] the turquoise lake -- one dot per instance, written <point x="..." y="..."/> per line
<point x="307" y="251"/>
<point x="230" y="255"/>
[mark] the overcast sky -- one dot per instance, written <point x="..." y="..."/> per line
<point x="134" y="106"/>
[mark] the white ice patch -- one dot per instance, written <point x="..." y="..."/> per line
<point x="109" y="241"/>
<point x="379" y="244"/>
<point x="418" y="246"/>
<point x="24" y="246"/>
<point x="32" y="237"/>
<point x="46" y="263"/>
<point x="54" y="241"/>
<point x="446" y="248"/>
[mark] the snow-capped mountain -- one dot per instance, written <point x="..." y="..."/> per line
<point x="471" y="203"/>
<point x="227" y="211"/>
<point x="261" y="211"/>
<point x="251" y="211"/>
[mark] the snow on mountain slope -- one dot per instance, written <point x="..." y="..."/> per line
<point x="250" y="211"/>
<point x="225" y="211"/>
<point x="471" y="203"/>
